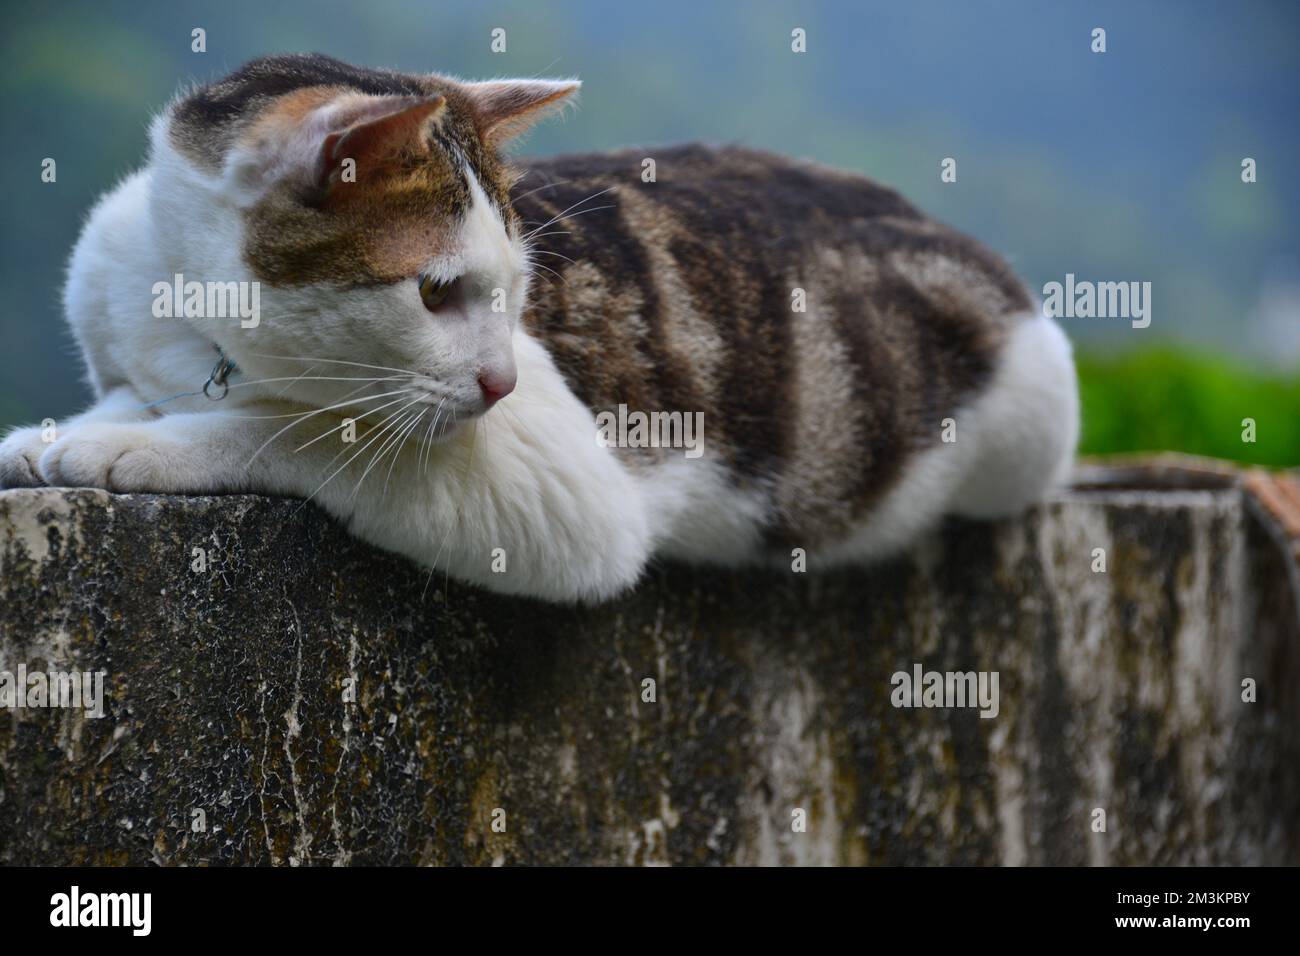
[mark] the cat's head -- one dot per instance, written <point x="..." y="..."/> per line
<point x="373" y="210"/>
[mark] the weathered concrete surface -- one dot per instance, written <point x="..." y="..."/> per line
<point x="226" y="694"/>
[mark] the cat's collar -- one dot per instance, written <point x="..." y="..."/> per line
<point x="219" y="376"/>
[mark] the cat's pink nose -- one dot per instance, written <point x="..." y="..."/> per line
<point x="495" y="386"/>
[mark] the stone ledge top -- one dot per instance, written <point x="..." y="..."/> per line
<point x="304" y="701"/>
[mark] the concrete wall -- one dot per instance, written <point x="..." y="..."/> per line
<point x="230" y="734"/>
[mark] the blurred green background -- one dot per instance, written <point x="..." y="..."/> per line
<point x="1117" y="166"/>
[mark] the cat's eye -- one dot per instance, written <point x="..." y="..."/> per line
<point x="432" y="292"/>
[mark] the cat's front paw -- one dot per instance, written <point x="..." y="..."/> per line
<point x="117" y="458"/>
<point x="20" y="454"/>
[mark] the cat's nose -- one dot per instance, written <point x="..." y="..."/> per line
<point x="496" y="386"/>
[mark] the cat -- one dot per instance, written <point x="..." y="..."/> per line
<point x="440" y="331"/>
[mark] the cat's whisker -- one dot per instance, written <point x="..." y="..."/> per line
<point x="562" y="182"/>
<point x="583" y="212"/>
<point x="596" y="195"/>
<point x="553" y="232"/>
<point x="280" y="394"/>
<point x="354" y="457"/>
<point x="428" y="440"/>
<point x="401" y="445"/>
<point x="565" y="213"/>
<point x="548" y="252"/>
<point x="442" y="418"/>
<point x="538" y="265"/>
<point x="293" y="379"/>
<point x="300" y="417"/>
<point x="395" y="444"/>
<point x="309" y="358"/>
<point x="381" y="423"/>
<point x="433" y="424"/>
<point x="392" y="441"/>
<point x="310" y="411"/>
<point x="460" y="507"/>
<point x="343" y="424"/>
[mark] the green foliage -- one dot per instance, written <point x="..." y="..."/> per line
<point x="1164" y="399"/>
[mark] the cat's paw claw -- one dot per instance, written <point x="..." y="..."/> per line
<point x="20" y="454"/>
<point x="113" y="457"/>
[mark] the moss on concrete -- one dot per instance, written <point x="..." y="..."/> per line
<point x="227" y="696"/>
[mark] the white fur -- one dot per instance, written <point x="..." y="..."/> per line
<point x="1021" y="433"/>
<point x="570" y="520"/>
<point x="1011" y="446"/>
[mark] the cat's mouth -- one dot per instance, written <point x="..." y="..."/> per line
<point x="414" y="410"/>
<point x="469" y="403"/>
<point x="438" y="413"/>
<point x="425" y="409"/>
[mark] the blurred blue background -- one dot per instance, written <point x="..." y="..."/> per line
<point x="1116" y="166"/>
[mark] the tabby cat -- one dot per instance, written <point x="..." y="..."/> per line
<point x="443" y="339"/>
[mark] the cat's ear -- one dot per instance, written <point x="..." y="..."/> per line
<point x="319" y="139"/>
<point x="505" y="108"/>
<point x="374" y="140"/>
